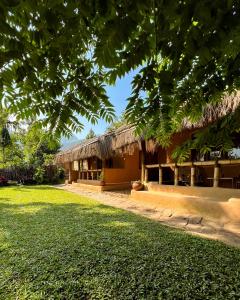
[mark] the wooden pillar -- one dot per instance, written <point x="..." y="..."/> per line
<point x="70" y="173"/>
<point x="142" y="167"/>
<point x="103" y="170"/>
<point x="160" y="181"/>
<point x="216" y="176"/>
<point x="146" y="175"/>
<point x="193" y="172"/>
<point x="176" y="175"/>
<point x="79" y="170"/>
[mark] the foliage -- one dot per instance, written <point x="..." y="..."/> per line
<point x="117" y="123"/>
<point x="59" y="245"/>
<point x="38" y="144"/>
<point x="101" y="177"/>
<point x="47" y="68"/>
<point x="39" y="175"/>
<point x="5" y="140"/>
<point x="188" y="52"/>
<point x="28" y="174"/>
<point x="29" y="150"/>
<point x="91" y="134"/>
<point x="48" y="174"/>
<point x="220" y="136"/>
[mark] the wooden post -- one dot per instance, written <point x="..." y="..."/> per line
<point x="103" y="169"/>
<point x="160" y="175"/>
<point x="176" y="175"/>
<point x="79" y="170"/>
<point x="193" y="171"/>
<point x="70" y="173"/>
<point x="216" y="176"/>
<point x="146" y="175"/>
<point x="142" y="167"/>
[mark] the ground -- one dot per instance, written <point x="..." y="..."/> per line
<point x="197" y="224"/>
<point x="57" y="245"/>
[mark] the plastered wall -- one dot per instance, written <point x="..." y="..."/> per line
<point x="130" y="172"/>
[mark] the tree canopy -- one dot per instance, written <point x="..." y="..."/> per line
<point x="91" y="134"/>
<point x="56" y="56"/>
<point x="117" y="123"/>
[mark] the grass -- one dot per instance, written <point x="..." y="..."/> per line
<point x="57" y="245"/>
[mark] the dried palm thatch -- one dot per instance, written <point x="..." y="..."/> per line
<point x="119" y="142"/>
<point x="124" y="141"/>
<point x="213" y="112"/>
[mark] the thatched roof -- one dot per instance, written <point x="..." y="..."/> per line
<point x="124" y="141"/>
<point x="211" y="113"/>
<point x="214" y="112"/>
<point x="118" y="142"/>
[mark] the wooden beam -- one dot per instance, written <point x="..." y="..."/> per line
<point x="229" y="162"/>
<point x="170" y="165"/>
<point x="185" y="164"/>
<point x="204" y="163"/>
<point x="152" y="166"/>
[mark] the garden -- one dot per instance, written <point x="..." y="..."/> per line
<point x="27" y="152"/>
<point x="58" y="245"/>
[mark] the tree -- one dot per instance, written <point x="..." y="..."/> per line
<point x="189" y="52"/>
<point x="91" y="134"/>
<point x="117" y="123"/>
<point x="38" y="145"/>
<point x="5" y="140"/>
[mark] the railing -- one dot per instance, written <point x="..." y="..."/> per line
<point x="90" y="174"/>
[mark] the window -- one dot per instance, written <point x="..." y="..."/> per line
<point x="75" y="165"/>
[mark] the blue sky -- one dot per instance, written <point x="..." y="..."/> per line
<point x="118" y="95"/>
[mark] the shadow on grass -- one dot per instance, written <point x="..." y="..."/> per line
<point x="26" y="188"/>
<point x="77" y="251"/>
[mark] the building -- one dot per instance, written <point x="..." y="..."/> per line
<point x="110" y="161"/>
<point x="113" y="160"/>
<point x="211" y="170"/>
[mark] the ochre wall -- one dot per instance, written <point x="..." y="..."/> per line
<point x="130" y="172"/>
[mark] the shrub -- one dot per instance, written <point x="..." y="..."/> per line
<point x="39" y="175"/>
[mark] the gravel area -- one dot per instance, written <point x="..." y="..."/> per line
<point x="195" y="224"/>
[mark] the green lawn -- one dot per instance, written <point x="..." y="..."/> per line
<point x="57" y="245"/>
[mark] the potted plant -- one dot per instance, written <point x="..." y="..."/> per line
<point x="137" y="185"/>
<point x="101" y="179"/>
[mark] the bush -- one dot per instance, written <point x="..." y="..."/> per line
<point x="28" y="174"/>
<point x="39" y="175"/>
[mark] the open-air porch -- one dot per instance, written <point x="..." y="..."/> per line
<point x="221" y="173"/>
<point x="199" y="186"/>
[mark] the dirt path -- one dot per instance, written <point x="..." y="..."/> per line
<point x="198" y="225"/>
